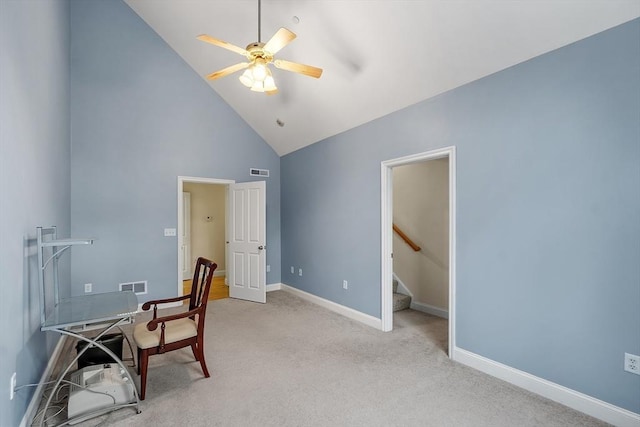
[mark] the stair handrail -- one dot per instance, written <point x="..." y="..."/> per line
<point x="406" y="238"/>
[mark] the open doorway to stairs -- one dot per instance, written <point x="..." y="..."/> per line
<point x="429" y="266"/>
<point x="202" y="225"/>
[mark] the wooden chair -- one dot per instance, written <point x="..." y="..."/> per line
<point x="176" y="330"/>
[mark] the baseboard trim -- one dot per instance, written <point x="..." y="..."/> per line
<point x="335" y="307"/>
<point x="429" y="309"/>
<point x="32" y="409"/>
<point x="274" y="287"/>
<point x="573" y="399"/>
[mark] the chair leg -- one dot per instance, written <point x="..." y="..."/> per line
<point x="194" y="349"/>
<point x="199" y="352"/>
<point x="143" y="363"/>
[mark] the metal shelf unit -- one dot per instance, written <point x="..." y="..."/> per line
<point x="58" y="247"/>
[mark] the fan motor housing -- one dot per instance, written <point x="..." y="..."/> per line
<point x="256" y="50"/>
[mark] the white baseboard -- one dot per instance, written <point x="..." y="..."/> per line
<point x="219" y="273"/>
<point x="274" y="287"/>
<point x="573" y="399"/>
<point x="368" y="320"/>
<point x="429" y="309"/>
<point x="32" y="409"/>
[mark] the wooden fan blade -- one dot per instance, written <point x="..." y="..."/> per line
<point x="271" y="92"/>
<point x="279" y="40"/>
<point x="221" y="43"/>
<point x="228" y="70"/>
<point x="307" y="70"/>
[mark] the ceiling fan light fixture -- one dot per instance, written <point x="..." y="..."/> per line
<point x="258" y="87"/>
<point x="259" y="70"/>
<point x="258" y="77"/>
<point x="269" y="83"/>
<point x="246" y="78"/>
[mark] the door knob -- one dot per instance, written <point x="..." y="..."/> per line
<point x="262" y="247"/>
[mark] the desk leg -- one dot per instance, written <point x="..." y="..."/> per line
<point x="95" y="342"/>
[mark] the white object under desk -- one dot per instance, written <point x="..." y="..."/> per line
<point x="105" y="311"/>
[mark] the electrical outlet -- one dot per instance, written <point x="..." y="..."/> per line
<point x="345" y="284"/>
<point x="268" y="268"/>
<point x="300" y="272"/>
<point x="632" y="363"/>
<point x="12" y="392"/>
<point x="292" y="269"/>
<point x="88" y="287"/>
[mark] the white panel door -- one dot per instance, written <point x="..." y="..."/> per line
<point x="185" y="247"/>
<point x="247" y="243"/>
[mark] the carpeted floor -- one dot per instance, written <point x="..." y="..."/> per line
<point x="292" y="363"/>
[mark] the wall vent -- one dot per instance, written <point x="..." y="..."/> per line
<point x="258" y="172"/>
<point x="139" y="288"/>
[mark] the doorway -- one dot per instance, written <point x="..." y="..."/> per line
<point x="387" y="235"/>
<point x="244" y="238"/>
<point x="204" y="223"/>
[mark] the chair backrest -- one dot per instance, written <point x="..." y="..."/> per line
<point x="202" y="278"/>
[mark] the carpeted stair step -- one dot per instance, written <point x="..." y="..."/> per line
<point x="401" y="302"/>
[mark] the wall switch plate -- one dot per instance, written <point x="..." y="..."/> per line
<point x="12" y="392"/>
<point x="268" y="268"/>
<point x="632" y="363"/>
<point x="300" y="272"/>
<point x="169" y="232"/>
<point x="345" y="284"/>
<point x="292" y="269"/>
<point x="88" y="287"/>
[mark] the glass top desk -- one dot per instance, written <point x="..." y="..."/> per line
<point x="88" y="312"/>
<point x="93" y="312"/>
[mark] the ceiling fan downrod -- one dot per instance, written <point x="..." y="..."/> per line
<point x="259" y="19"/>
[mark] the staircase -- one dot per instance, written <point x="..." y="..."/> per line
<point x="400" y="301"/>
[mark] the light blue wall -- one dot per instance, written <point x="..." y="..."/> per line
<point x="34" y="180"/>
<point x="548" y="212"/>
<point x="140" y="118"/>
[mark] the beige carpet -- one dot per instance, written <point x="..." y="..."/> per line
<point x="292" y="363"/>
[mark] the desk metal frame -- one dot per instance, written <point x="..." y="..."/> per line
<point x="75" y="315"/>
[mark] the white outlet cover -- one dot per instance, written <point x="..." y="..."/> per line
<point x="299" y="272"/>
<point x="169" y="232"/>
<point x="632" y="363"/>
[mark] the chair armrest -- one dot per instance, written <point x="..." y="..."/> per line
<point x="153" y="324"/>
<point x="147" y="305"/>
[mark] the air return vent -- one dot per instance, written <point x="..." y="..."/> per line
<point x="138" y="288"/>
<point x="258" y="172"/>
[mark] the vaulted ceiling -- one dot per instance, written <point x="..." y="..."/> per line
<point x="378" y="56"/>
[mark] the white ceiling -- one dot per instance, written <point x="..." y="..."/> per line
<point x="378" y="56"/>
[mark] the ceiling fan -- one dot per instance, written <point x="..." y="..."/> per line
<point x="257" y="75"/>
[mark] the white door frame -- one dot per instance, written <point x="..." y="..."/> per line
<point x="181" y="181"/>
<point x="386" y="173"/>
<point x="186" y="235"/>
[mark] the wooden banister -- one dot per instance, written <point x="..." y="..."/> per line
<point x="406" y="238"/>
